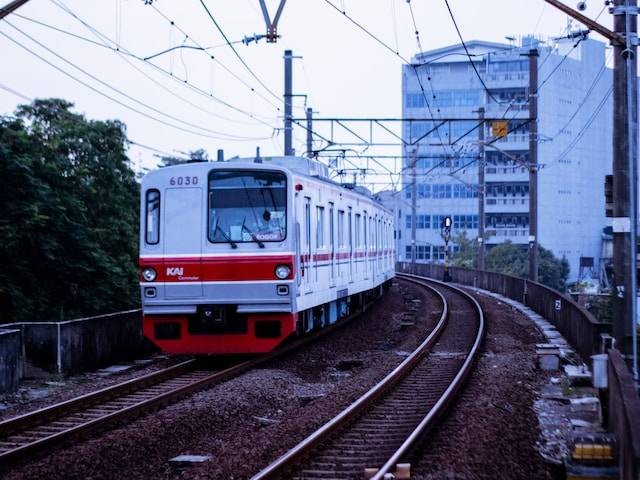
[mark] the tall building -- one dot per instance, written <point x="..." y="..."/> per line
<point x="574" y="146"/>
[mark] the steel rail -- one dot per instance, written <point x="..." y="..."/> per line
<point x="449" y="395"/>
<point x="72" y="412"/>
<point x="297" y="453"/>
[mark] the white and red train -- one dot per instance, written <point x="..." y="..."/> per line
<point x="238" y="256"/>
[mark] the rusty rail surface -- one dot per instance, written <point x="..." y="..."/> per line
<point x="363" y="411"/>
<point x="23" y="435"/>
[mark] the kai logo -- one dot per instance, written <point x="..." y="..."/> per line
<point x="175" y="271"/>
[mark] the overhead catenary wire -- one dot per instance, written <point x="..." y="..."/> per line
<point x="109" y="97"/>
<point x="253" y="74"/>
<point x="125" y="55"/>
<point x="15" y="92"/>
<point x="584" y="129"/>
<point x="220" y="135"/>
<point x="108" y="43"/>
<point x="128" y="140"/>
<point x="174" y="24"/>
<point x="464" y="45"/>
<point x="595" y="82"/>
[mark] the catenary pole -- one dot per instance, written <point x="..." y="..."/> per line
<point x="625" y="180"/>
<point x="533" y="165"/>
<point x="481" y="190"/>
<point x="288" y="102"/>
<point x="414" y="189"/>
<point x="309" y="132"/>
<point x="625" y="151"/>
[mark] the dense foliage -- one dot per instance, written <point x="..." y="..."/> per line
<point x="69" y="221"/>
<point x="512" y="259"/>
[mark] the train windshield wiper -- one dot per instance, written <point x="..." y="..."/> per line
<point x="253" y="236"/>
<point x="225" y="236"/>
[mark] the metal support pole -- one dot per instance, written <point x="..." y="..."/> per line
<point x="309" y="130"/>
<point x="533" y="165"/>
<point x="625" y="180"/>
<point x="288" y="103"/>
<point x="414" y="195"/>
<point x="631" y="36"/>
<point x="481" y="190"/>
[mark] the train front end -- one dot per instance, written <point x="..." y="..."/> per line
<point x="217" y="258"/>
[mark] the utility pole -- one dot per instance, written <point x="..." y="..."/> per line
<point x="309" y="135"/>
<point x="533" y="165"/>
<point x="625" y="98"/>
<point x="4" y="11"/>
<point x="414" y="195"/>
<point x="288" y="102"/>
<point x="625" y="153"/>
<point x="481" y="190"/>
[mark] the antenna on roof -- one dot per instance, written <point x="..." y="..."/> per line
<point x="258" y="159"/>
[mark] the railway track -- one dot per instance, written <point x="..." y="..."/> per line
<point x="24" y="435"/>
<point x="375" y="433"/>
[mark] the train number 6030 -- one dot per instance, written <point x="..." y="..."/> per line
<point x="180" y="181"/>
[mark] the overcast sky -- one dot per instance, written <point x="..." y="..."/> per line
<point x="343" y="72"/>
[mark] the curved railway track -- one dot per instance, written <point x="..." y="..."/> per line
<point x="375" y="433"/>
<point x="50" y="426"/>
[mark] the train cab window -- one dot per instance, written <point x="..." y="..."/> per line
<point x="152" y="217"/>
<point x="247" y="206"/>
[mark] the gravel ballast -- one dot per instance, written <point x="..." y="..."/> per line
<point x="245" y="423"/>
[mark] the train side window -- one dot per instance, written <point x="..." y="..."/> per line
<point x="152" y="217"/>
<point x="320" y="227"/>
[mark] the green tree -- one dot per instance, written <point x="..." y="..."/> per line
<point x="69" y="223"/>
<point x="513" y="260"/>
<point x="467" y="251"/>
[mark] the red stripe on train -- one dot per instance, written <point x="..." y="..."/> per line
<point x="217" y="269"/>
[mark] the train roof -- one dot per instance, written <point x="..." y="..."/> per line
<point x="298" y="165"/>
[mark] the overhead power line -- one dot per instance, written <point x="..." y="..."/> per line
<point x="464" y="45"/>
<point x="15" y="92"/>
<point x="124" y="94"/>
<point x="213" y="58"/>
<point x="110" y="44"/>
<point x="217" y="25"/>
<point x="113" y="99"/>
<point x="387" y="47"/>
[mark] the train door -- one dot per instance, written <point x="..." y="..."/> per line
<point x="306" y="251"/>
<point x="319" y="239"/>
<point x="366" y="246"/>
<point x="332" y="247"/>
<point x="183" y="237"/>
<point x="358" y="245"/>
<point x="350" y="240"/>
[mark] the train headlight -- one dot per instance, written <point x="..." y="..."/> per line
<point x="149" y="274"/>
<point x="283" y="271"/>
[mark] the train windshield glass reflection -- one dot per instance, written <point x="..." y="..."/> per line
<point x="247" y="206"/>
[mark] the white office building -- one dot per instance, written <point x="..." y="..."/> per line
<point x="574" y="146"/>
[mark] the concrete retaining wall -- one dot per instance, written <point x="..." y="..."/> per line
<point x="10" y="360"/>
<point x="83" y="344"/>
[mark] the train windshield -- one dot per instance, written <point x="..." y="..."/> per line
<point x="247" y="206"/>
